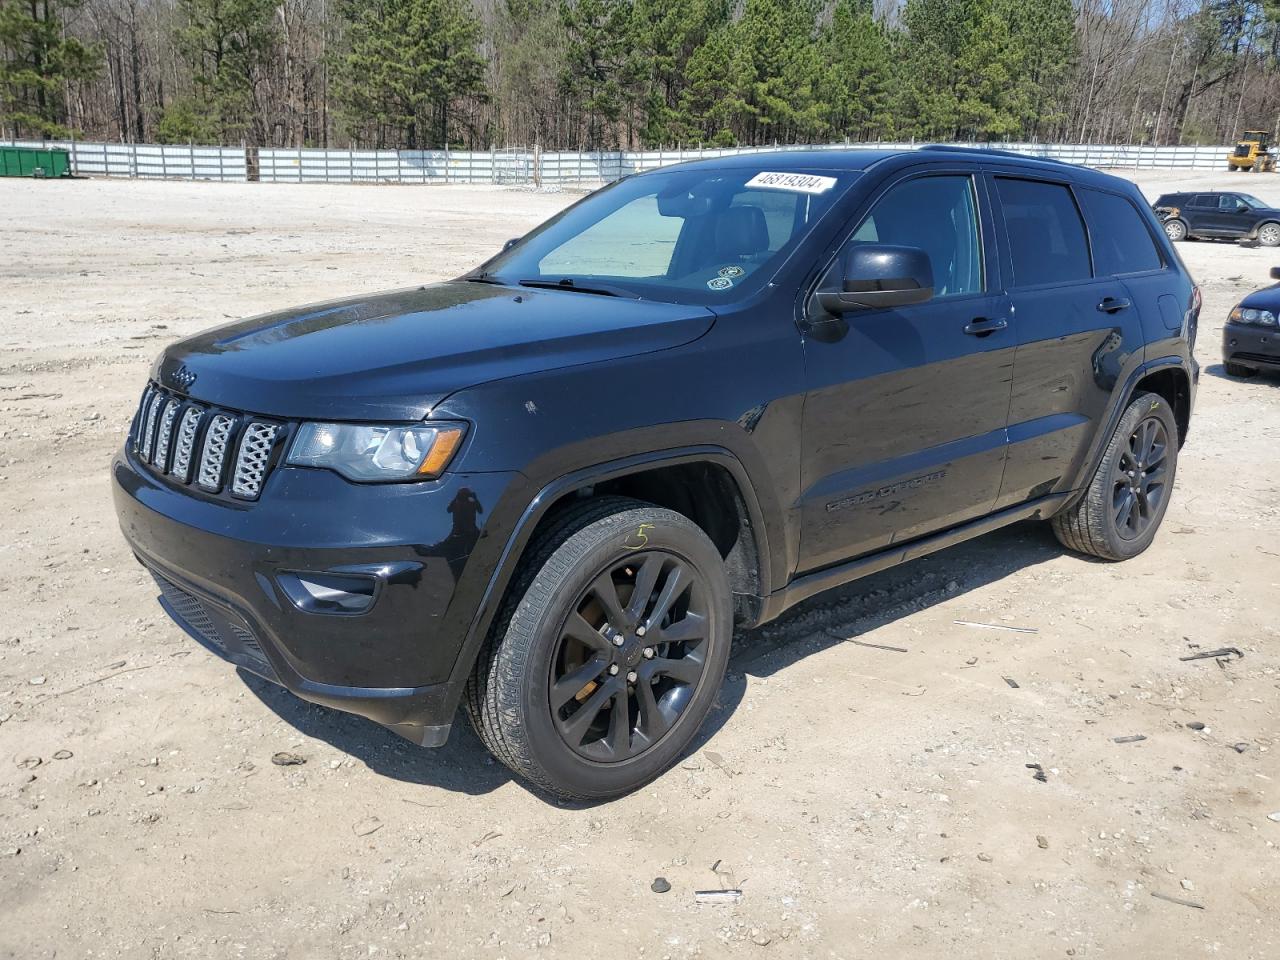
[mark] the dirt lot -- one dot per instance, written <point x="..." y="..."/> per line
<point x="869" y="803"/>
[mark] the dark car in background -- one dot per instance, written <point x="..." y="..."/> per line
<point x="1251" y="335"/>
<point x="548" y="490"/>
<point x="1218" y="216"/>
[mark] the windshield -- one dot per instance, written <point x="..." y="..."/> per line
<point x="1252" y="201"/>
<point x="694" y="236"/>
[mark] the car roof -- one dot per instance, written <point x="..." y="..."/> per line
<point x="858" y="160"/>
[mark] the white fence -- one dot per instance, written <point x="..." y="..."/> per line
<point x="310" y="165"/>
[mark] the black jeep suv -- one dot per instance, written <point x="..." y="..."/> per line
<point x="549" y="489"/>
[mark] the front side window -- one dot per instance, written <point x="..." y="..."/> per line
<point x="702" y="236"/>
<point x="937" y="215"/>
<point x="1228" y="203"/>
<point x="1046" y="235"/>
<point x="1121" y="241"/>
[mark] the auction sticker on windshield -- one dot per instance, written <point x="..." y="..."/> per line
<point x="795" y="182"/>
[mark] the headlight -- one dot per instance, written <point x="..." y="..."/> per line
<point x="1263" y="318"/>
<point x="370" y="453"/>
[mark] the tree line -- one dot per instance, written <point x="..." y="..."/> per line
<point x="613" y="74"/>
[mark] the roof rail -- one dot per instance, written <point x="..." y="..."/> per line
<point x="979" y="148"/>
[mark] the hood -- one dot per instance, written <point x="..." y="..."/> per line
<point x="395" y="355"/>
<point x="1268" y="298"/>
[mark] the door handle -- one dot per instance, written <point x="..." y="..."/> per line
<point x="981" y="326"/>
<point x="1114" y="304"/>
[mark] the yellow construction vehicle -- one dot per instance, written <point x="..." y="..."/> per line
<point x="1252" y="153"/>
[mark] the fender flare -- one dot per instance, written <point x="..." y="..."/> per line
<point x="547" y="495"/>
<point x="1116" y="411"/>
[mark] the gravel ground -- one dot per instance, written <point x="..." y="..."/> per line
<point x="867" y="802"/>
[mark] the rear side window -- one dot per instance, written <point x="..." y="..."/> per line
<point x="1204" y="200"/>
<point x="1121" y="241"/>
<point x="1046" y="235"/>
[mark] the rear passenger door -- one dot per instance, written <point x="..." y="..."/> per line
<point x="1076" y="333"/>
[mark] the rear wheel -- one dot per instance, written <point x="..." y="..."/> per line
<point x="1175" y="230"/>
<point x="609" y="652"/>
<point x="1122" y="508"/>
<point x="1239" y="370"/>
<point x="1269" y="234"/>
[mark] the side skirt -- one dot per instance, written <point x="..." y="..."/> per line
<point x="802" y="588"/>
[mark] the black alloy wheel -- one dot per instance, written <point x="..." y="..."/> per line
<point x="630" y="656"/>
<point x="1139" y="486"/>
<point x="608" y="652"/>
<point x="1119" y="512"/>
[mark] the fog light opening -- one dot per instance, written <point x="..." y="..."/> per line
<point x="332" y="593"/>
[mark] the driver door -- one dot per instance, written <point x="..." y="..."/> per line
<point x="905" y="415"/>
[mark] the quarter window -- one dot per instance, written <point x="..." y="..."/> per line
<point x="1121" y="241"/>
<point x="939" y="216"/>
<point x="1046" y="235"/>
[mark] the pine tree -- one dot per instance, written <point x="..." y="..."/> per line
<point x="406" y="64"/>
<point x="599" y="76"/>
<point x="37" y="60"/>
<point x="229" y="44"/>
<point x="665" y="36"/>
<point x="857" y="74"/>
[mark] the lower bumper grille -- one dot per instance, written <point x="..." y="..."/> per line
<point x="216" y="628"/>
<point x="1271" y="360"/>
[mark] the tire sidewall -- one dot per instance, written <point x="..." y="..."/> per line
<point x="594" y="548"/>
<point x="1148" y="404"/>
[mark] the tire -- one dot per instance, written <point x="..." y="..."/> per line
<point x="1269" y="234"/>
<point x="556" y="633"/>
<point x="1175" y="230"/>
<point x="1097" y="524"/>
<point x="1239" y="370"/>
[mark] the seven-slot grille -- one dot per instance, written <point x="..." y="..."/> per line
<point x="212" y="448"/>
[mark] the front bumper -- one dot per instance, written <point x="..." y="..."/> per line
<point x="1251" y="346"/>
<point x="222" y="568"/>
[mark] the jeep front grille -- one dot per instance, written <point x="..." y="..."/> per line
<point x="217" y="450"/>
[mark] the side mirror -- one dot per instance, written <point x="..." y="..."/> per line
<point x="878" y="277"/>
<point x="1275" y="273"/>
<point x="510" y="243"/>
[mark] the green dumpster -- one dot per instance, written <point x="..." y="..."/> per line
<point x="33" y="162"/>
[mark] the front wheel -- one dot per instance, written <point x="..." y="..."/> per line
<point x="1175" y="230"/>
<point x="1269" y="235"/>
<point x="1120" y="512"/>
<point x="608" y="653"/>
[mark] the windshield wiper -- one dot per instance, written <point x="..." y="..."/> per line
<point x="564" y="283"/>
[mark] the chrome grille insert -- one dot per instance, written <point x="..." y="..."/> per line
<point x="140" y="418"/>
<point x="185" y="444"/>
<point x="149" y="425"/>
<point x="214" y="454"/>
<point x="222" y="451"/>
<point x="251" y="463"/>
<point x="165" y="436"/>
